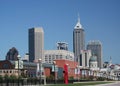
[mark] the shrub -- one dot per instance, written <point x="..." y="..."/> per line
<point x="91" y="77"/>
<point x="101" y="78"/>
<point x="71" y="78"/>
<point x="51" y="77"/>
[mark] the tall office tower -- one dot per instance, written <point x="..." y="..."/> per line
<point x="36" y="44"/>
<point x="78" y="40"/>
<point x="62" y="46"/>
<point x="96" y="49"/>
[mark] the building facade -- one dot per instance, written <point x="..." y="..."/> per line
<point x="84" y="58"/>
<point x="78" y="40"/>
<point x="96" y="49"/>
<point x="36" y="44"/>
<point x="72" y="65"/>
<point x="51" y="55"/>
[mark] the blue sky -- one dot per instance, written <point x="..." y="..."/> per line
<point x="99" y="18"/>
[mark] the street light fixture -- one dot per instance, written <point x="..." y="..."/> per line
<point x="68" y="67"/>
<point x="18" y="67"/>
<point x="40" y="69"/>
<point x="78" y="72"/>
<point x="54" y="62"/>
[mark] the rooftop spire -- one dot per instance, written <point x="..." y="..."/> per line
<point x="78" y="25"/>
<point x="110" y="63"/>
<point x="78" y="18"/>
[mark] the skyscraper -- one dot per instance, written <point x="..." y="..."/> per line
<point x="96" y="49"/>
<point x="78" y="40"/>
<point x="36" y="44"/>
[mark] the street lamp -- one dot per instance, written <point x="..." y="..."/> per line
<point x="67" y="76"/>
<point x="39" y="69"/>
<point x="54" y="62"/>
<point x="68" y="67"/>
<point x="77" y="72"/>
<point x="18" y="67"/>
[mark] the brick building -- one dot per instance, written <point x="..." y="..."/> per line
<point x="29" y="68"/>
<point x="71" y="67"/>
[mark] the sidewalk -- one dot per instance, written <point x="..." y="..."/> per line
<point x="116" y="83"/>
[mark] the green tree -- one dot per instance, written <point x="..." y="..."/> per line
<point x="6" y="77"/>
<point x="1" y="78"/>
<point x="13" y="77"/>
<point x="51" y="77"/>
<point x="71" y="78"/>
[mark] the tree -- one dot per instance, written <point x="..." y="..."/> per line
<point x="1" y="78"/>
<point x="6" y="77"/>
<point x="13" y="77"/>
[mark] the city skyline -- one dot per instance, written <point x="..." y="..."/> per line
<point x="100" y="20"/>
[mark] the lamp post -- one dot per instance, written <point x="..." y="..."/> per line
<point x="67" y="67"/>
<point x="77" y="73"/>
<point x="18" y="67"/>
<point x="54" y="62"/>
<point x="39" y="69"/>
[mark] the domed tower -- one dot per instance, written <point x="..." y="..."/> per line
<point x="93" y="62"/>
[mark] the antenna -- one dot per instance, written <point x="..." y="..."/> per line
<point x="78" y="17"/>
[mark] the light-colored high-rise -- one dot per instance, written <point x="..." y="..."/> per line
<point x="84" y="58"/>
<point x="78" y="40"/>
<point x="96" y="48"/>
<point x="36" y="44"/>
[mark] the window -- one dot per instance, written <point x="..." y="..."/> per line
<point x="49" y="55"/>
<point x="0" y="71"/>
<point x="4" y="71"/>
<point x="60" y="56"/>
<point x="85" y="59"/>
<point x="80" y="59"/>
<point x="45" y="55"/>
<point x="5" y="66"/>
<point x="56" y="56"/>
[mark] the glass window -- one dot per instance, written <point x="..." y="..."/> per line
<point x="45" y="55"/>
<point x="4" y="71"/>
<point x="49" y="55"/>
<point x="0" y="71"/>
<point x="60" y="56"/>
<point x="56" y="56"/>
<point x="5" y="66"/>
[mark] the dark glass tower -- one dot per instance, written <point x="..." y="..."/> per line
<point x="96" y="49"/>
<point x="78" y="40"/>
<point x="36" y="44"/>
<point x="12" y="54"/>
